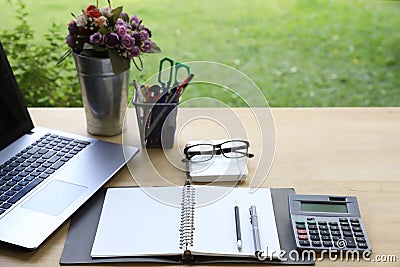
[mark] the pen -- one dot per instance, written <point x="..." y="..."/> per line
<point x="238" y="233"/>
<point x="135" y="84"/>
<point x="170" y="100"/>
<point x="177" y="92"/>
<point x="256" y="230"/>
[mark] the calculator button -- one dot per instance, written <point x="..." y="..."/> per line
<point x="327" y="244"/>
<point x="314" y="237"/>
<point x="310" y="219"/>
<point x="360" y="239"/>
<point x="300" y="226"/>
<point x="300" y="222"/>
<point x="303" y="237"/>
<point x="354" y="220"/>
<point x="333" y="223"/>
<point x="336" y="238"/>
<point x="344" y="224"/>
<point x="316" y="243"/>
<point x="346" y="228"/>
<point x="312" y="227"/>
<point x="301" y="231"/>
<point x="325" y="238"/>
<point x="362" y="245"/>
<point x="347" y="233"/>
<point x="334" y="228"/>
<point x="325" y="232"/>
<point x="304" y="243"/>
<point x="355" y="224"/>
<point x="323" y="227"/>
<point x="350" y="243"/>
<point x="358" y="234"/>
<point x="357" y="229"/>
<point x="335" y="233"/>
<point x="313" y="232"/>
<point x="322" y="223"/>
<point x="311" y="222"/>
<point x="343" y="220"/>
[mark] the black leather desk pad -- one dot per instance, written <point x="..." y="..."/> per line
<point x="84" y="223"/>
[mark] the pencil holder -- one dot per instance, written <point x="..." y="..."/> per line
<point x="156" y="121"/>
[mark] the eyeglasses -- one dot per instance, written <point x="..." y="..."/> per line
<point x="229" y="149"/>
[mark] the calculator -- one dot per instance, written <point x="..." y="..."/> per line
<point x="323" y="222"/>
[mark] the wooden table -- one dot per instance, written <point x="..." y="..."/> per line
<point x="338" y="151"/>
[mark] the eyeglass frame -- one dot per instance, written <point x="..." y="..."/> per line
<point x="214" y="151"/>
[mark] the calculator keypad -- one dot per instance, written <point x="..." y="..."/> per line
<point x="330" y="233"/>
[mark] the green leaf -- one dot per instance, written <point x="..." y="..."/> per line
<point x="87" y="46"/>
<point x="116" y="12"/>
<point x="99" y="48"/>
<point x="103" y="30"/>
<point x="119" y="64"/>
<point x="155" y="48"/>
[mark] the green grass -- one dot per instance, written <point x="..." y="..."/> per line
<point x="299" y="53"/>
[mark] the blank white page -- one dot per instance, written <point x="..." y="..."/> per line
<point x="139" y="222"/>
<point x="215" y="229"/>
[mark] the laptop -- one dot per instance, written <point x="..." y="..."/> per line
<point x="45" y="175"/>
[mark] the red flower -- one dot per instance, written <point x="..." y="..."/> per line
<point x="92" y="11"/>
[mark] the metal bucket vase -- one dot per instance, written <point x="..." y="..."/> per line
<point x="104" y="94"/>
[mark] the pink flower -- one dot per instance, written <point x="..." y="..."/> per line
<point x="134" y="52"/>
<point x="106" y="11"/>
<point x="127" y="41"/>
<point x="111" y="39"/>
<point x="96" y="38"/>
<point x="121" y="30"/>
<point x="119" y="22"/>
<point x="100" y="21"/>
<point x="144" y="35"/>
<point x="81" y="20"/>
<point x="147" y="45"/>
<point x="135" y="20"/>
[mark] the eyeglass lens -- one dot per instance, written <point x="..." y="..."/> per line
<point x="234" y="149"/>
<point x="201" y="152"/>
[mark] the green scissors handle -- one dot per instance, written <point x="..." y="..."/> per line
<point x="177" y="66"/>
<point x="170" y="62"/>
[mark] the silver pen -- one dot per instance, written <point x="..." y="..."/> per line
<point x="256" y="230"/>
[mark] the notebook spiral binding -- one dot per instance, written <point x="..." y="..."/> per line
<point x="187" y="217"/>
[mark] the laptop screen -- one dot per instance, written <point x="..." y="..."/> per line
<point x="14" y="117"/>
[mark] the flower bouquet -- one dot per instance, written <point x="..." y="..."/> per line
<point x="109" y="32"/>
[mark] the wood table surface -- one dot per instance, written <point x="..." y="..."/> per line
<point x="335" y="151"/>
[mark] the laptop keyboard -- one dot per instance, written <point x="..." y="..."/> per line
<point x="33" y="165"/>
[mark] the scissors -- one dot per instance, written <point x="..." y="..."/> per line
<point x="173" y="66"/>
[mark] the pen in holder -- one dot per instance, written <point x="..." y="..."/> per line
<point x="156" y="121"/>
<point x="156" y="109"/>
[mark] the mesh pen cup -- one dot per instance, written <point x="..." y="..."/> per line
<point x="156" y="122"/>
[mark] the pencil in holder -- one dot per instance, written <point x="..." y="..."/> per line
<point x="156" y="122"/>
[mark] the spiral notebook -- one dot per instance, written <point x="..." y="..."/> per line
<point x="188" y="220"/>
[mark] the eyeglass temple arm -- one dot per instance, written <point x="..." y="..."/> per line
<point x="191" y="154"/>
<point x="233" y="149"/>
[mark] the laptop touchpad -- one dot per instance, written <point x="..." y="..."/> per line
<point x="55" y="197"/>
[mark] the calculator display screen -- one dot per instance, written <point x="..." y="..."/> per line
<point x="323" y="207"/>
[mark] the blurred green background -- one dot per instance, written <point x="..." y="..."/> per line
<point x="299" y="53"/>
